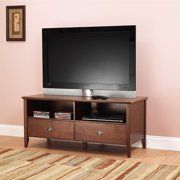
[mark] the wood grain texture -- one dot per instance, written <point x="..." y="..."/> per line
<point x="63" y="130"/>
<point x="144" y="137"/>
<point x="136" y="114"/>
<point x="83" y="99"/>
<point x="128" y="144"/>
<point x="100" y="132"/>
<point x="51" y="129"/>
<point x="134" y="110"/>
<point x="26" y="137"/>
<point x="39" y="128"/>
<point x="135" y="124"/>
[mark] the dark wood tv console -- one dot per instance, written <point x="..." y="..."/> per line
<point x="76" y="129"/>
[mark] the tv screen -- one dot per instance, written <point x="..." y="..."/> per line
<point x="89" y="58"/>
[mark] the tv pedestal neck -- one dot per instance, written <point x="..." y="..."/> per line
<point x="125" y="133"/>
<point x="87" y="92"/>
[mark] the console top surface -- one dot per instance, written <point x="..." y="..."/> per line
<point x="83" y="99"/>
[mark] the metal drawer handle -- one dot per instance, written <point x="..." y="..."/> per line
<point x="99" y="133"/>
<point x="49" y="129"/>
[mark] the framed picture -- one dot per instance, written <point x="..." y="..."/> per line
<point x="15" y="23"/>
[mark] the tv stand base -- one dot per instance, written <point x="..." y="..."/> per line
<point x="133" y="129"/>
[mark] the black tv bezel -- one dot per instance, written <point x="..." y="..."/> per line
<point x="96" y="86"/>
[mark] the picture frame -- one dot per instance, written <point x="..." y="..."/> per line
<point x="15" y="23"/>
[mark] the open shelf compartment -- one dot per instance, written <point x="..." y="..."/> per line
<point x="102" y="112"/>
<point x="51" y="107"/>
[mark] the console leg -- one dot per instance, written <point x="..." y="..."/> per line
<point x="48" y="141"/>
<point x="128" y="151"/>
<point x="26" y="141"/>
<point x="144" y="143"/>
<point x="84" y="145"/>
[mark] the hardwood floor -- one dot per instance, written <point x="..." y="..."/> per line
<point x="94" y="150"/>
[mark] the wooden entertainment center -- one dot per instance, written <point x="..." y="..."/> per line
<point x="76" y="129"/>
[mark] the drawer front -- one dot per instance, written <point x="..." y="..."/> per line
<point x="51" y="129"/>
<point x="63" y="130"/>
<point x="100" y="132"/>
<point x="39" y="128"/>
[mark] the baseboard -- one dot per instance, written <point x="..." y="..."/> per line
<point x="11" y="130"/>
<point x="153" y="142"/>
<point x="161" y="142"/>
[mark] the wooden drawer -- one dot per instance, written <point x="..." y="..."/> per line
<point x="100" y="132"/>
<point x="39" y="127"/>
<point x="51" y="129"/>
<point x="63" y="130"/>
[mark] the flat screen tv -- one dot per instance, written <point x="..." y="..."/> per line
<point x="97" y="58"/>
